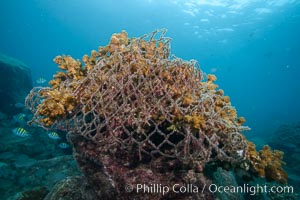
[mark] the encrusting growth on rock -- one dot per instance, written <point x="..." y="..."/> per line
<point x="137" y="103"/>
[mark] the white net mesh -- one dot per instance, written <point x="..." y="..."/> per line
<point x="137" y="100"/>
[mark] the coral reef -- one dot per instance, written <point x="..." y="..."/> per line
<point x="37" y="193"/>
<point x="226" y="178"/>
<point x="287" y="139"/>
<point x="109" y="176"/>
<point x="136" y="115"/>
<point x="28" y="164"/>
<point x="24" y="176"/>
<point x="131" y="95"/>
<point x="15" y="83"/>
<point x="72" y="188"/>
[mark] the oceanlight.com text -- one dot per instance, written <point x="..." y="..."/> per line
<point x="212" y="188"/>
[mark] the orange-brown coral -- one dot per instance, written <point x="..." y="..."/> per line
<point x="55" y="106"/>
<point x="267" y="163"/>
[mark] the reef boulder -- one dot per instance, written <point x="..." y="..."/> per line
<point x="137" y="117"/>
<point x="287" y="139"/>
<point x="15" y="83"/>
<point x="29" y="177"/>
<point x="72" y="188"/>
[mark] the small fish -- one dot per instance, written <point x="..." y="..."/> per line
<point x="41" y="80"/>
<point x="53" y="135"/>
<point x="20" y="118"/>
<point x="63" y="145"/>
<point x="21" y="132"/>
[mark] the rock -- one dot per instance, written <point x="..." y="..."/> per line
<point x="109" y="179"/>
<point x="15" y="83"/>
<point x="36" y="193"/>
<point x="23" y="179"/>
<point x="287" y="139"/>
<point x="72" y="188"/>
<point x="226" y="178"/>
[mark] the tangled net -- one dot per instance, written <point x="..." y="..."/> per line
<point x="131" y="97"/>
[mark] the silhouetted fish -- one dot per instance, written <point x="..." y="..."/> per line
<point x="64" y="145"/>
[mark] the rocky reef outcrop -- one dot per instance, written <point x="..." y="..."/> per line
<point x="15" y="83"/>
<point x="287" y="139"/>
<point x="30" y="177"/>
<point x="73" y="188"/>
<point x="141" y="121"/>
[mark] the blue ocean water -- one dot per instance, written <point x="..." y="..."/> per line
<point x="253" y="46"/>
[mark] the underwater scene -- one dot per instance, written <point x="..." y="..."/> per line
<point x="149" y="99"/>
